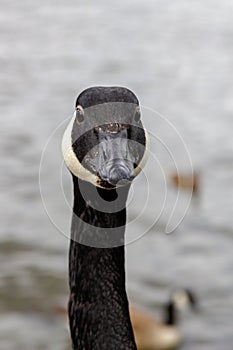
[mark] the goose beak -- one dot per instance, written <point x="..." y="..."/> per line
<point x="115" y="164"/>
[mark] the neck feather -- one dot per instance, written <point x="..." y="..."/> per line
<point x="98" y="305"/>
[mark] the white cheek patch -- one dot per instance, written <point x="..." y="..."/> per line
<point x="72" y="161"/>
<point x="181" y="300"/>
<point x="145" y="155"/>
<point x="78" y="170"/>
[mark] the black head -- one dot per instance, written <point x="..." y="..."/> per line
<point x="105" y="143"/>
<point x="101" y="94"/>
<point x="180" y="300"/>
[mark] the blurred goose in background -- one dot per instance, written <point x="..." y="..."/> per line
<point x="186" y="182"/>
<point x="151" y="334"/>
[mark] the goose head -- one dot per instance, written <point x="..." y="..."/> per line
<point x="105" y="143"/>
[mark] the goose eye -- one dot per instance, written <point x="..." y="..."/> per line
<point x="137" y="115"/>
<point x="79" y="114"/>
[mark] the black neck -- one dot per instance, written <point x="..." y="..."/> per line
<point x="170" y="313"/>
<point x="98" y="305"/>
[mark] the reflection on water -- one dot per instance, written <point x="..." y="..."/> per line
<point x="177" y="57"/>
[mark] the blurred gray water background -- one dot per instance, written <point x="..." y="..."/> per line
<point x="178" y="58"/>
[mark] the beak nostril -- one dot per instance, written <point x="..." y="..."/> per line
<point x="119" y="174"/>
<point x="104" y="156"/>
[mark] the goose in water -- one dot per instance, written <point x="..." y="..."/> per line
<point x="186" y="182"/>
<point x="104" y="147"/>
<point x="151" y="334"/>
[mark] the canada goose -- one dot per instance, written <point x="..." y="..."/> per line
<point x="186" y="182"/>
<point x="151" y="334"/>
<point x="104" y="147"/>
